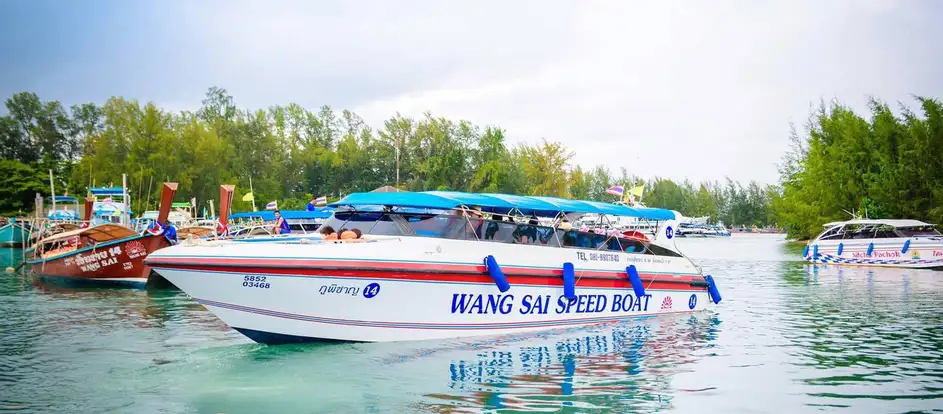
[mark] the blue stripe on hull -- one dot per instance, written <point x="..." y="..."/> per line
<point x="85" y="282"/>
<point x="269" y="338"/>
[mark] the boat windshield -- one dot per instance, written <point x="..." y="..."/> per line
<point x="500" y="229"/>
<point x="918" y="231"/>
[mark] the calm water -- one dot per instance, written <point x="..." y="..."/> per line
<point x="787" y="338"/>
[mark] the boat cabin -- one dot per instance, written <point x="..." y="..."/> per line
<point x="508" y="219"/>
<point x="877" y="229"/>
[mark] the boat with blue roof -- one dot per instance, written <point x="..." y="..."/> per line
<point x="439" y="264"/>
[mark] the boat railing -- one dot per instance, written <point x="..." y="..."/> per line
<point x="469" y="226"/>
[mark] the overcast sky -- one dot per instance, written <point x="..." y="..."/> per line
<point x="696" y="89"/>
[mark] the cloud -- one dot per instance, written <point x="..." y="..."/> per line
<point x="696" y="90"/>
<point x="679" y="89"/>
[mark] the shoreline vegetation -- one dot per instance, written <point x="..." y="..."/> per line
<point x="888" y="166"/>
<point x="293" y="154"/>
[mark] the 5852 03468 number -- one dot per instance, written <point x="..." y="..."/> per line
<point x="255" y="282"/>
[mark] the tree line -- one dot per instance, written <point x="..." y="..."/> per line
<point x="292" y="154"/>
<point x="887" y="166"/>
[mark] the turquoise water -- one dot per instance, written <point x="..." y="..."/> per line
<point x="787" y="338"/>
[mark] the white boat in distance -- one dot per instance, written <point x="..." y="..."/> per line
<point x="430" y="266"/>
<point x="885" y="243"/>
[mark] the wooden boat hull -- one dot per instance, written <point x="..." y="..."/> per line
<point x="120" y="262"/>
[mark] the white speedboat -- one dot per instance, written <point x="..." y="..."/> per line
<point x="435" y="265"/>
<point x="885" y="243"/>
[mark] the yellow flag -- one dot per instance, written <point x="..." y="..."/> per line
<point x="637" y="191"/>
<point x="247" y="197"/>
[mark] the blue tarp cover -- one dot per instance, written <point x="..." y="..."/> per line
<point x="500" y="203"/>
<point x="106" y="190"/>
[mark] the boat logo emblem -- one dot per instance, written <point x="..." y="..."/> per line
<point x="371" y="290"/>
<point x="692" y="302"/>
<point x="916" y="255"/>
<point x="669" y="232"/>
<point x="127" y="265"/>
<point x="135" y="249"/>
<point x="666" y="304"/>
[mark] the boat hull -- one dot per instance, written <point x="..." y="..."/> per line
<point x="13" y="235"/>
<point x="302" y="293"/>
<point x="921" y="253"/>
<point x="117" y="263"/>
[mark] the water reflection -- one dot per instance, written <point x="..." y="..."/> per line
<point x="869" y="333"/>
<point x="788" y="337"/>
<point x="626" y="365"/>
<point x="60" y="344"/>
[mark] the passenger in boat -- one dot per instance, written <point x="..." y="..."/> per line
<point x="493" y="226"/>
<point x="281" y="226"/>
<point x="350" y="234"/>
<point x="527" y="233"/>
<point x="565" y="225"/>
<point x="328" y="233"/>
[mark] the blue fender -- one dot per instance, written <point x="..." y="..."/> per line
<point x="712" y="289"/>
<point x="841" y="246"/>
<point x="815" y="252"/>
<point x="569" y="281"/>
<point x="870" y="248"/>
<point x="636" y="281"/>
<point x="906" y="247"/>
<point x="805" y="253"/>
<point x="495" y="271"/>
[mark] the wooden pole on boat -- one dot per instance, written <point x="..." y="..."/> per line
<point x="39" y="206"/>
<point x="253" y="194"/>
<point x="125" y="219"/>
<point x="52" y="187"/>
<point x="225" y="202"/>
<point x="166" y="197"/>
<point x="87" y="213"/>
<point x="149" y="183"/>
<point x="212" y="210"/>
<point x="141" y="186"/>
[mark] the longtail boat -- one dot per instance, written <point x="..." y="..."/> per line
<point x="110" y="254"/>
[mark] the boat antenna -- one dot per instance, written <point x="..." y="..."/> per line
<point x="853" y="215"/>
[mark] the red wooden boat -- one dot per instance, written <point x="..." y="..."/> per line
<point x="109" y="254"/>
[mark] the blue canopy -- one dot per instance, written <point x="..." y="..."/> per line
<point x="62" y="215"/>
<point x="500" y="203"/>
<point x="106" y="190"/>
<point x="269" y="215"/>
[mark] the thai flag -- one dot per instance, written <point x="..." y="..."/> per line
<point x="271" y="206"/>
<point x="616" y="190"/>
<point x="320" y="201"/>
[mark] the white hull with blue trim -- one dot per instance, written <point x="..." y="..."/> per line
<point x="880" y="243"/>
<point x="415" y="288"/>
<point x="466" y="277"/>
